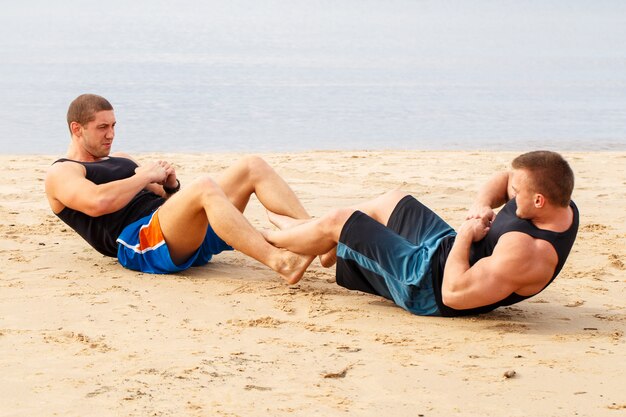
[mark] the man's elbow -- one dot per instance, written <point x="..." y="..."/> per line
<point x="99" y="207"/>
<point x="450" y="298"/>
<point x="456" y="292"/>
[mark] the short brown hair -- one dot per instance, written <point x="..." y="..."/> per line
<point x="84" y="108"/>
<point x="550" y="175"/>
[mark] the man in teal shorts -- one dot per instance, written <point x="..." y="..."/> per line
<point x="396" y="247"/>
<point x="141" y="215"/>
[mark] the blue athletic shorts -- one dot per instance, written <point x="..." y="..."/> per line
<point x="393" y="261"/>
<point x="141" y="247"/>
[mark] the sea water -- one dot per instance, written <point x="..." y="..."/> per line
<point x="295" y="75"/>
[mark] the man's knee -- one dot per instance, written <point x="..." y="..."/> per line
<point x="385" y="205"/>
<point x="206" y="187"/>
<point x="333" y="222"/>
<point x="395" y="196"/>
<point x="254" y="167"/>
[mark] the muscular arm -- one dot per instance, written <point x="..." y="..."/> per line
<point x="66" y="186"/>
<point x="518" y="264"/>
<point x="493" y="193"/>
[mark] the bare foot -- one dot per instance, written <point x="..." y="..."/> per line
<point x="292" y="266"/>
<point x="284" y="222"/>
<point x="268" y="235"/>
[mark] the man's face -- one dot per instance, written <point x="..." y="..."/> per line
<point x="524" y="195"/>
<point x="97" y="135"/>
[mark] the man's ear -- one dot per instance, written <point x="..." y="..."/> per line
<point x="539" y="200"/>
<point x="76" y="129"/>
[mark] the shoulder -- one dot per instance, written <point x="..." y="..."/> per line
<point x="123" y="155"/>
<point x="59" y="175"/>
<point x="521" y="241"/>
<point x="65" y="168"/>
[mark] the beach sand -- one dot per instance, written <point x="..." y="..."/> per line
<point x="81" y="336"/>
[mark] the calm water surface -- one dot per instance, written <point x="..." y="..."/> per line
<point x="295" y="75"/>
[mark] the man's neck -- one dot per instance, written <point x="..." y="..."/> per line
<point x="81" y="155"/>
<point x="555" y="219"/>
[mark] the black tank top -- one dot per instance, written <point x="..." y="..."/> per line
<point x="101" y="232"/>
<point x="506" y="221"/>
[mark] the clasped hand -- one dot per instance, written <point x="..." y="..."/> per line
<point x="478" y="221"/>
<point x="159" y="172"/>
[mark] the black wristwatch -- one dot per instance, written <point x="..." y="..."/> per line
<point x="172" y="190"/>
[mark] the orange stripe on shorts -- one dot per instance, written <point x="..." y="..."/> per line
<point x="151" y="234"/>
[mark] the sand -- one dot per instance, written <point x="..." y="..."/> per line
<point x="81" y="336"/>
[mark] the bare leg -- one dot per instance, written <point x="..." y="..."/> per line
<point x="285" y="222"/>
<point x="381" y="207"/>
<point x="251" y="175"/>
<point x="315" y="237"/>
<point x="186" y="215"/>
<point x="320" y="236"/>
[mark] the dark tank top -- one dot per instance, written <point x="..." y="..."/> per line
<point x="101" y="232"/>
<point x="506" y="221"/>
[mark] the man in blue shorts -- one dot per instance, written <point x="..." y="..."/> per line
<point x="141" y="215"/>
<point x="397" y="248"/>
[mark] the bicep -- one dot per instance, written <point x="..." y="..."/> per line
<point x="68" y="186"/>
<point x="486" y="282"/>
<point x="517" y="262"/>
